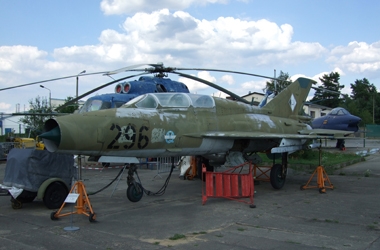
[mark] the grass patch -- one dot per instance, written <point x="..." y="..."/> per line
<point x="367" y="173"/>
<point x="310" y="157"/>
<point x="293" y="242"/>
<point x="371" y="227"/>
<point x="177" y="237"/>
<point x="202" y="232"/>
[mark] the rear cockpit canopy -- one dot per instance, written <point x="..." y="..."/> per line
<point x="172" y="100"/>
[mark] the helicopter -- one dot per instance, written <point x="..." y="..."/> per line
<point x="126" y="91"/>
<point x="178" y="124"/>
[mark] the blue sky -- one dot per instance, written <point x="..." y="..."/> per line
<point x="47" y="39"/>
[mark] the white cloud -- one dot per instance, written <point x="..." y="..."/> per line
<point x="117" y="7"/>
<point x="253" y="86"/>
<point x="229" y="79"/>
<point x="357" y="57"/>
<point x="5" y="105"/>
<point x="18" y="58"/>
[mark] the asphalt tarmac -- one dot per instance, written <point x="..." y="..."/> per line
<point x="347" y="217"/>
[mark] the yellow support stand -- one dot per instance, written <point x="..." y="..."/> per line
<point x="83" y="205"/>
<point x="321" y="179"/>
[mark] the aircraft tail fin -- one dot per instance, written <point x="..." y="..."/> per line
<point x="289" y="102"/>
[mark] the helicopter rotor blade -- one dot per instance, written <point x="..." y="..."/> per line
<point x="51" y="80"/>
<point x="133" y="68"/>
<point x="96" y="89"/>
<point x="159" y="68"/>
<point x="212" y="85"/>
<point x="227" y="71"/>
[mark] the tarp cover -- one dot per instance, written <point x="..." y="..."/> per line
<point x="29" y="168"/>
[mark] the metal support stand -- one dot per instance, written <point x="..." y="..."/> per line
<point x="321" y="178"/>
<point x="83" y="205"/>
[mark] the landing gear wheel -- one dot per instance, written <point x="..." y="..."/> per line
<point x="92" y="217"/>
<point x="302" y="187"/>
<point x="277" y="179"/>
<point x="52" y="216"/>
<point x="322" y="191"/>
<point x="135" y="192"/>
<point x="55" y="195"/>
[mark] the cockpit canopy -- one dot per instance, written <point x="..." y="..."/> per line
<point x="339" y="111"/>
<point x="172" y="100"/>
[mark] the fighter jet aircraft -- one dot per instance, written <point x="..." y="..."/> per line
<point x="338" y="119"/>
<point x="179" y="124"/>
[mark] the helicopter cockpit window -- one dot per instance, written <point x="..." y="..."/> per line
<point x="93" y="105"/>
<point x="147" y="102"/>
<point x="202" y="101"/>
<point x="179" y="100"/>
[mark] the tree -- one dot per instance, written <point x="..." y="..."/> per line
<point x="69" y="109"/>
<point x="282" y="82"/>
<point x="351" y="105"/>
<point x="365" y="96"/>
<point x="39" y="108"/>
<point x="329" y="94"/>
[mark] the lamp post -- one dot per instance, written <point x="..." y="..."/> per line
<point x="49" y="95"/>
<point x="84" y="71"/>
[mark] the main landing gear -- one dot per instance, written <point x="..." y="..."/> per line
<point x="278" y="172"/>
<point x="135" y="190"/>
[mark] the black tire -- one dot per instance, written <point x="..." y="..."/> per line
<point x="135" y="192"/>
<point x="276" y="178"/>
<point x="92" y="217"/>
<point x="55" y="195"/>
<point x="52" y="216"/>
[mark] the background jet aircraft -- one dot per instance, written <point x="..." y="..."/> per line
<point x="338" y="118"/>
<point x="177" y="124"/>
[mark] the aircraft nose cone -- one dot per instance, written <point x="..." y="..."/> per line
<point x="52" y="137"/>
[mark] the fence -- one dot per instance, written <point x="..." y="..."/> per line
<point x="164" y="164"/>
<point x="372" y="131"/>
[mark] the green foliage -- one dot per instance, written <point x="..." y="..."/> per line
<point x="310" y="157"/>
<point x="283" y="82"/>
<point x="363" y="102"/>
<point x="39" y="108"/>
<point x="366" y="99"/>
<point x="35" y="122"/>
<point x="69" y="109"/>
<point x="177" y="237"/>
<point x="329" y="98"/>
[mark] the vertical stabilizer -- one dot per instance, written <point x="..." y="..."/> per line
<point x="290" y="101"/>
